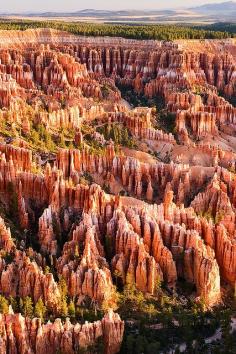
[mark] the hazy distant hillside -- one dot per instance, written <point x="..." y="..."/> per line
<point x="222" y="8"/>
<point x="225" y="11"/>
<point x="208" y="13"/>
<point x="107" y="14"/>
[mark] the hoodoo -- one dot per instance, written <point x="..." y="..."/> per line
<point x="117" y="186"/>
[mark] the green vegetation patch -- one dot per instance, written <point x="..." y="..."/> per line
<point x="158" y="32"/>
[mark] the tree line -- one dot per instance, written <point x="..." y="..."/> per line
<point x="227" y="27"/>
<point x="155" y="32"/>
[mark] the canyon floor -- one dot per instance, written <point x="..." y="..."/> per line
<point x="117" y="194"/>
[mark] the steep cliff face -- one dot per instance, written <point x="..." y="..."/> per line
<point x="139" y="195"/>
<point x="22" y="335"/>
<point x="24" y="278"/>
<point x="84" y="71"/>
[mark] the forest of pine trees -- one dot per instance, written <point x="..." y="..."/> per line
<point x="158" y="32"/>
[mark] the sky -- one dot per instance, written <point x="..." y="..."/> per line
<point x="73" y="5"/>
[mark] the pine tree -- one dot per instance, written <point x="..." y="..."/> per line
<point x="71" y="309"/>
<point x="40" y="309"/>
<point x="62" y="143"/>
<point x="63" y="287"/>
<point x="64" y="308"/>
<point x="47" y="270"/>
<point x="3" y="305"/>
<point x="63" y="292"/>
<point x="13" y="303"/>
<point x="26" y="306"/>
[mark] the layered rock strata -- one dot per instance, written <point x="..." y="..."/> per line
<point x="168" y="213"/>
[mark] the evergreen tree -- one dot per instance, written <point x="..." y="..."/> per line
<point x="40" y="309"/>
<point x="71" y="309"/>
<point x="63" y="288"/>
<point x="62" y="143"/>
<point x="63" y="308"/>
<point x="14" y="304"/>
<point x="63" y="293"/>
<point x="26" y="306"/>
<point x="3" y="305"/>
